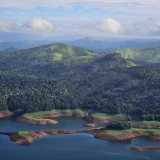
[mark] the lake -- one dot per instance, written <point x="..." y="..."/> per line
<point x="69" y="147"/>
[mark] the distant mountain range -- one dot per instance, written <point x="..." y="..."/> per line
<point x="87" y="42"/>
<point x="97" y="45"/>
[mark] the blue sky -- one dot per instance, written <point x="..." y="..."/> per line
<point x="118" y="18"/>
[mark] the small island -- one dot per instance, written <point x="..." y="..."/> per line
<point x="42" y="117"/>
<point x="26" y="137"/>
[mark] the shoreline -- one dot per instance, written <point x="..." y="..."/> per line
<point x="43" y="118"/>
<point x="26" y="138"/>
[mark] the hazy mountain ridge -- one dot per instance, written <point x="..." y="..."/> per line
<point x="86" y="42"/>
<point x="98" y="45"/>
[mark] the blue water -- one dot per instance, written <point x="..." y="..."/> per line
<point x="69" y="123"/>
<point x="70" y="147"/>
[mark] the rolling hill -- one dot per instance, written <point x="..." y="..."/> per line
<point x="146" y="55"/>
<point x="104" y="63"/>
<point x="56" y="53"/>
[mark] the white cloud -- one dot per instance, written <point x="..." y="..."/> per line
<point x="39" y="25"/>
<point x="4" y="26"/>
<point x="36" y="26"/>
<point x="110" y="26"/>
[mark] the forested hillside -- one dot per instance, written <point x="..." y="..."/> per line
<point x="59" y="76"/>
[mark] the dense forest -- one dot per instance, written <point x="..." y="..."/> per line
<point x="59" y="76"/>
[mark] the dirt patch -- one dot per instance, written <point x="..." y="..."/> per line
<point x="5" y="113"/>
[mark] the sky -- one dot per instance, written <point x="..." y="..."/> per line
<point x="108" y="18"/>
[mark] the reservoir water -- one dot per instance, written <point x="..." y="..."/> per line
<point x="70" y="147"/>
<point x="69" y="123"/>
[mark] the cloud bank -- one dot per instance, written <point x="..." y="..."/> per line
<point x="90" y="17"/>
<point x="36" y="26"/>
<point x="105" y="27"/>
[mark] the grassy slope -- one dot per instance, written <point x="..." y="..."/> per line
<point x="149" y="122"/>
<point x="127" y="63"/>
<point x="23" y="133"/>
<point x="107" y="62"/>
<point x="118" y="132"/>
<point x="107" y="116"/>
<point x="149" y="55"/>
<point x="53" y="53"/>
<point x="32" y="115"/>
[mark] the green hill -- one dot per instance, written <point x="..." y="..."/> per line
<point x="55" y="53"/>
<point x="109" y="61"/>
<point x="147" y="55"/>
<point x="117" y="59"/>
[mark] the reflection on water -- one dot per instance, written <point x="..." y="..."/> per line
<point x="70" y="123"/>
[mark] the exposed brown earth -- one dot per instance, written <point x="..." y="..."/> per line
<point x="141" y="149"/>
<point x="36" y="121"/>
<point x="120" y="137"/>
<point x="154" y="137"/>
<point x="32" y="135"/>
<point x="98" y="133"/>
<point x="5" y="113"/>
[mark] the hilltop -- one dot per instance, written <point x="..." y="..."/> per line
<point x="48" y="54"/>
<point x="110" y="61"/>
